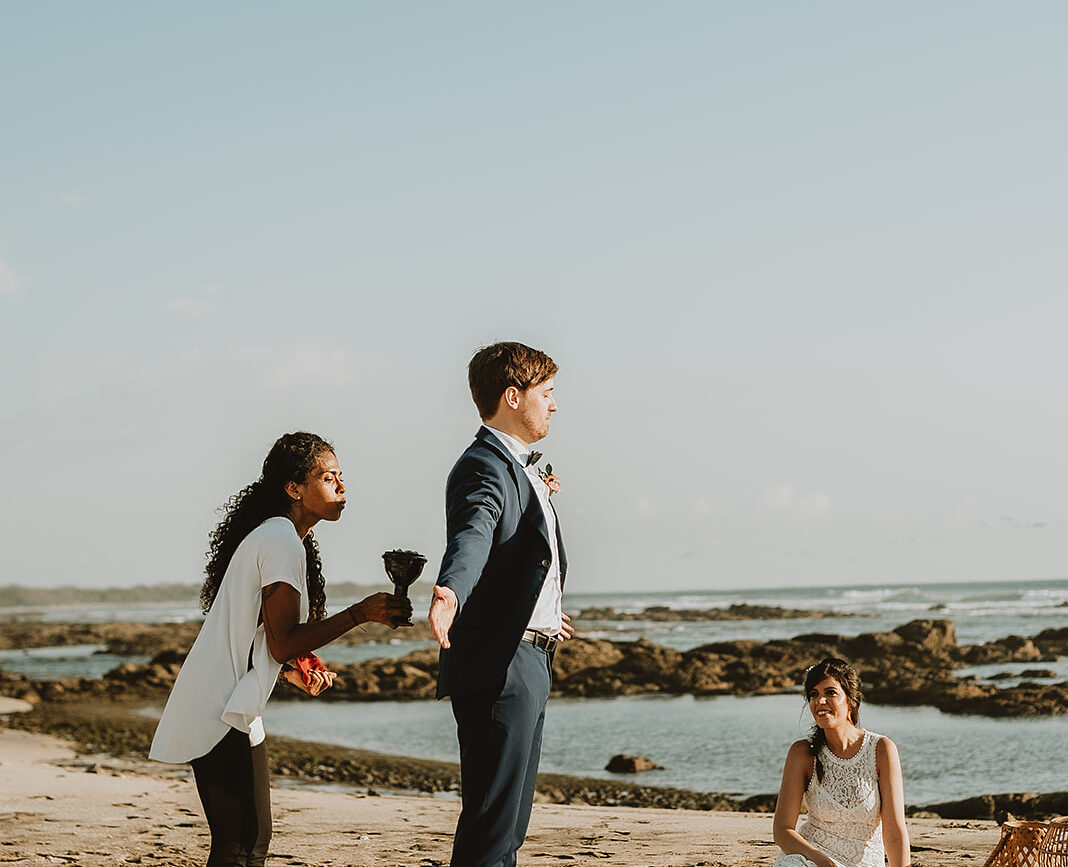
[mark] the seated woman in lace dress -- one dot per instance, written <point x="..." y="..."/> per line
<point x="850" y="779"/>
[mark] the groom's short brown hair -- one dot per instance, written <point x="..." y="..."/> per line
<point x="494" y="368"/>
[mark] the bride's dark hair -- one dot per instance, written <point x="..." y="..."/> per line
<point x="849" y="680"/>
<point x="291" y="459"/>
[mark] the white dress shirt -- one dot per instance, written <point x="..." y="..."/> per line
<point x="547" y="610"/>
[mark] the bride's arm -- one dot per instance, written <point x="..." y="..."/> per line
<point x="795" y="776"/>
<point x="892" y="796"/>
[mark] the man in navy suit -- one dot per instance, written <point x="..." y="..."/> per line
<point x="496" y="608"/>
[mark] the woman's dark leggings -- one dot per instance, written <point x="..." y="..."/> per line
<point x="233" y="782"/>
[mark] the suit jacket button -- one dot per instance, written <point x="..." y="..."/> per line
<point x="545" y="563"/>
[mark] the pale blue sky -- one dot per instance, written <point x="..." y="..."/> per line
<point x="802" y="267"/>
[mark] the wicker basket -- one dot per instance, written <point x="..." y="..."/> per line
<point x="1018" y="846"/>
<point x="1053" y="850"/>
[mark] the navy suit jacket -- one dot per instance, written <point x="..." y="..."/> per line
<point x="495" y="561"/>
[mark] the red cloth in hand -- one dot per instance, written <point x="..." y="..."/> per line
<point x="306" y="664"/>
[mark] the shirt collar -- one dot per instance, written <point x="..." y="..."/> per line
<point x="517" y="449"/>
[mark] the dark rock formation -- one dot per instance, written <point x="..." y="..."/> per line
<point x="1029" y="805"/>
<point x="1053" y="641"/>
<point x="123" y="684"/>
<point x="912" y="665"/>
<point x="1013" y="648"/>
<point x="411" y="677"/>
<point x="624" y="764"/>
<point x="759" y="803"/>
<point x="148" y="639"/>
<point x="125" y="639"/>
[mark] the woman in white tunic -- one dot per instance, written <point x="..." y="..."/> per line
<point x="265" y="599"/>
<point x="850" y="779"/>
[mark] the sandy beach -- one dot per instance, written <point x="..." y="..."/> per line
<point x="59" y="807"/>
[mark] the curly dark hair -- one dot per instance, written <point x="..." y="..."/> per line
<point x="291" y="459"/>
<point x="849" y="680"/>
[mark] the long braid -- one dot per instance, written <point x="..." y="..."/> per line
<point x="816" y="742"/>
<point x="316" y="580"/>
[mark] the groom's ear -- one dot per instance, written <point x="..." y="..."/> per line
<point x="511" y="397"/>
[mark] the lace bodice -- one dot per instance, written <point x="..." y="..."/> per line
<point x="843" y="808"/>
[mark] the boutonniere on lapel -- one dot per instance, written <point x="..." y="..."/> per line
<point x="552" y="481"/>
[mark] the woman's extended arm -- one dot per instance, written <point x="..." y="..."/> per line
<point x="795" y="776"/>
<point x="288" y="638"/>
<point x="892" y="796"/>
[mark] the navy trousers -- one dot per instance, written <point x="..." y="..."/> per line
<point x="500" y="744"/>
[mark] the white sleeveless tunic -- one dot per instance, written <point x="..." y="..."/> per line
<point x="217" y="689"/>
<point x="844" y="810"/>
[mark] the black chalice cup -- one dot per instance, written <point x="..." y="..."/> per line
<point x="403" y="567"/>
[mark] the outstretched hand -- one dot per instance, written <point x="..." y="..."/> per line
<point x="383" y="608"/>
<point x="442" y="613"/>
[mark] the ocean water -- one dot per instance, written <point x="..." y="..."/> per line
<point x="93" y="660"/>
<point x="724" y="744"/>
<point x="76" y="660"/>
<point x="982" y="612"/>
<point x="720" y="744"/>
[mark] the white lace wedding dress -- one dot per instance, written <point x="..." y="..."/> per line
<point x="843" y="810"/>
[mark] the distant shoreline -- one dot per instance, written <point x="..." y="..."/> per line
<point x="23" y="596"/>
<point x="18" y="596"/>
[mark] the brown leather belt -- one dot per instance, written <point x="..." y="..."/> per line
<point x="540" y="639"/>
